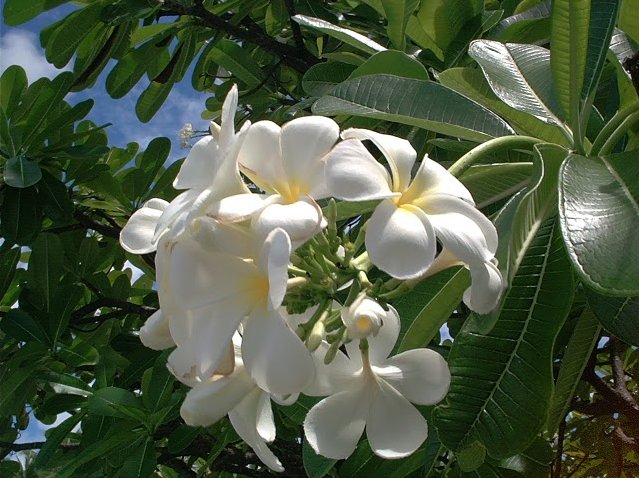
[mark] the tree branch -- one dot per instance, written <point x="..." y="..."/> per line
<point x="79" y="316"/>
<point x="90" y="223"/>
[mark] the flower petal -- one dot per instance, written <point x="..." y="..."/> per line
<point x="274" y="355"/>
<point x="381" y="345"/>
<point x="227" y="120"/>
<point x="337" y="376"/>
<point x="260" y="156"/>
<point x="227" y="238"/>
<point x="237" y="208"/>
<point x="394" y="427"/>
<point x="461" y="228"/>
<point x="199" y="278"/>
<point x="334" y="425"/>
<point x="155" y="333"/>
<point x="245" y="418"/>
<point x="486" y="288"/>
<point x="353" y="174"/>
<point x="433" y="178"/>
<point x="265" y="423"/>
<point x="137" y="236"/>
<point x="420" y="375"/>
<point x="304" y="142"/>
<point x="301" y="220"/>
<point x="398" y="152"/>
<point x="400" y="241"/>
<point x="180" y="206"/>
<point x="199" y="166"/>
<point x="207" y="402"/>
<point x="273" y="261"/>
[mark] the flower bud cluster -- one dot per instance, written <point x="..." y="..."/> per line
<point x="249" y="266"/>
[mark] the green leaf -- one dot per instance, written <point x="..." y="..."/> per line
<point x="444" y="20"/>
<point x="349" y="37"/>
<point x="21" y="326"/>
<point x="397" y="13"/>
<point x="618" y="315"/>
<point x="54" y="197"/>
<point x="316" y="466"/>
<point x="20" y="215"/>
<point x="182" y="437"/>
<point x="320" y="79"/>
<point x="533" y="462"/>
<point x="18" y="11"/>
<point x="425" y="104"/>
<point x="46" y="267"/>
<point x="9" y="259"/>
<point x="160" y="386"/>
<point x="13" y="84"/>
<point x="582" y="341"/>
<point x="489" y="183"/>
<point x="238" y="61"/>
<point x="391" y="62"/>
<point x="599" y="209"/>
<point x="11" y="385"/>
<point x="519" y="75"/>
<point x="568" y="51"/>
<point x="434" y="300"/>
<point x="502" y="380"/>
<point x="21" y="172"/>
<point x="79" y="354"/>
<point x="471" y="457"/>
<point x="628" y="19"/>
<point x="141" y="461"/>
<point x="115" y="402"/>
<point x="471" y="82"/>
<point x="55" y="437"/>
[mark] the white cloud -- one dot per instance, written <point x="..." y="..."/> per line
<point x="22" y="47"/>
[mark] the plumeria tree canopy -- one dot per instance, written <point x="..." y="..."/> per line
<point x="404" y="244"/>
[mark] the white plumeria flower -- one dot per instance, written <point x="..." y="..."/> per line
<point x="217" y="291"/>
<point x="248" y="408"/>
<point x="209" y="173"/>
<point x="155" y="333"/>
<point x="368" y="390"/>
<point x="363" y="317"/>
<point x="288" y="164"/>
<point x="402" y="234"/>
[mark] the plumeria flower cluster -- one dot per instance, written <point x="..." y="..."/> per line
<point x="249" y="267"/>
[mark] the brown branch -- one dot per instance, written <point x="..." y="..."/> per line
<point x="79" y="316"/>
<point x="617" y="350"/>
<point x="297" y="32"/>
<point x="90" y="223"/>
<point x="556" y="470"/>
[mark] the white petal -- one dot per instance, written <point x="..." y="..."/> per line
<point x="244" y="420"/>
<point x="353" y="174"/>
<point x="304" y="142"/>
<point x="199" y="278"/>
<point x="182" y="364"/>
<point x="273" y="261"/>
<point x="207" y="402"/>
<point x="486" y="288"/>
<point x="227" y="121"/>
<point x="301" y="220"/>
<point x="342" y="373"/>
<point x="461" y="228"/>
<point x="200" y="165"/>
<point x="420" y="375"/>
<point x="137" y="235"/>
<point x="334" y="425"/>
<point x="180" y="206"/>
<point x="394" y="427"/>
<point x="237" y="208"/>
<point x="274" y="355"/>
<point x="155" y="333"/>
<point x="398" y="152"/>
<point x="400" y="241"/>
<point x="265" y="424"/>
<point x="381" y="345"/>
<point x="260" y="156"/>
<point x="227" y="238"/>
<point x="433" y="178"/>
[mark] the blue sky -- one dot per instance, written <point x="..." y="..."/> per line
<point x="21" y="45"/>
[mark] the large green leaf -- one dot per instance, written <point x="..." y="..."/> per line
<point x="18" y="11"/>
<point x="425" y="104"/>
<point x="55" y="437"/>
<point x="618" y="315"/>
<point x="502" y="380"/>
<point x="21" y="172"/>
<point x="320" y="79"/>
<point x="471" y="82"/>
<point x="21" y="326"/>
<point x="9" y="259"/>
<point x="391" y="62"/>
<point x="350" y="37"/>
<point x="628" y="18"/>
<point x="582" y="341"/>
<point x="519" y="75"/>
<point x="238" y="61"/>
<point x="443" y="20"/>
<point x="489" y="183"/>
<point x="20" y="216"/>
<point x="141" y="462"/>
<point x="599" y="208"/>
<point x="397" y="13"/>
<point x="13" y="84"/>
<point x="46" y="267"/>
<point x="568" y="53"/>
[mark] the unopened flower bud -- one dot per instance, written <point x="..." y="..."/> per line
<point x="363" y="317"/>
<point x="316" y="336"/>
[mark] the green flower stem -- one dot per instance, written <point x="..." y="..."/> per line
<point x="618" y="133"/>
<point x="296" y="271"/>
<point x="476" y="154"/>
<point x="296" y="282"/>
<point x="610" y="127"/>
<point x="362" y="262"/>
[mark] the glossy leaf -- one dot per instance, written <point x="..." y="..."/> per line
<point x="628" y="19"/>
<point x="519" y="75"/>
<point x="141" y="462"/>
<point x="238" y="61"/>
<point x="114" y="402"/>
<point x="391" y="62"/>
<point x="582" y="341"/>
<point x="54" y="198"/>
<point x="20" y="215"/>
<point x="425" y="104"/>
<point x="599" y="208"/>
<point x="21" y="326"/>
<point x="320" y="79"/>
<point x="568" y="52"/>
<point x="54" y="438"/>
<point x="46" y="267"/>
<point x="21" y="172"/>
<point x="618" y="315"/>
<point x="13" y="84"/>
<point x="397" y="13"/>
<point x="315" y="466"/>
<point x="443" y="20"/>
<point x="9" y="259"/>
<point x="502" y="380"/>
<point x="489" y="183"/>
<point x="350" y="37"/>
